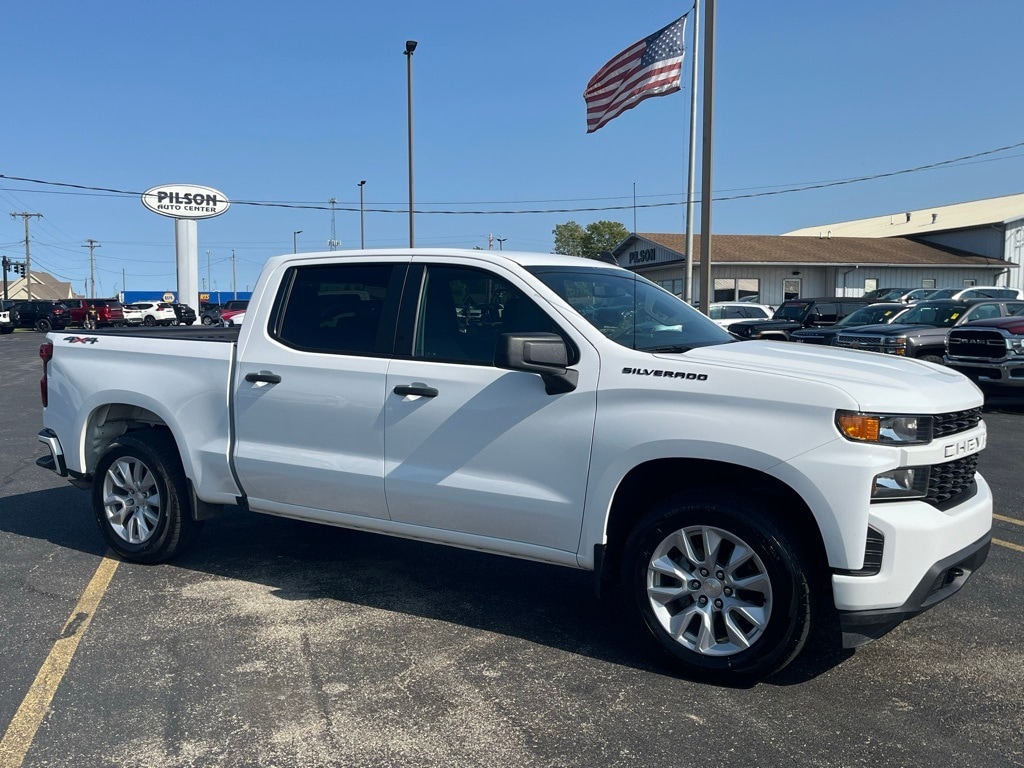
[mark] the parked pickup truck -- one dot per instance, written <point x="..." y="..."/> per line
<point x="991" y="352"/>
<point x="8" y="320"/>
<point x="740" y="493"/>
<point x="795" y="314"/>
<point x="920" y="332"/>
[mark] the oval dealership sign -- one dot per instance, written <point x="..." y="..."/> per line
<point x="185" y="201"/>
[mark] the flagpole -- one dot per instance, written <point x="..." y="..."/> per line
<point x="691" y="172"/>
<point x="707" y="134"/>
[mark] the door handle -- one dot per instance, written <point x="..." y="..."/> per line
<point x="263" y="376"/>
<point x="415" y="389"/>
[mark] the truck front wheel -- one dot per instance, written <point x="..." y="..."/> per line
<point x="720" y="587"/>
<point x="140" y="498"/>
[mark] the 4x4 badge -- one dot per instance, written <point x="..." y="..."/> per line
<point x="80" y="339"/>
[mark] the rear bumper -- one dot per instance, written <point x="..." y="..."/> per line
<point x="942" y="580"/>
<point x="54" y="460"/>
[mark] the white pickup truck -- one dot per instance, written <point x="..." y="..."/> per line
<point x="550" y="408"/>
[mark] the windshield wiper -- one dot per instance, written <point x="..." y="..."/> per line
<point x="667" y="348"/>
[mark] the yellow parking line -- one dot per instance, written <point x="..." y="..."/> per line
<point x="1001" y="543"/>
<point x="1005" y="519"/>
<point x="30" y="714"/>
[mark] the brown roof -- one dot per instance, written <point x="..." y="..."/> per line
<point x="773" y="249"/>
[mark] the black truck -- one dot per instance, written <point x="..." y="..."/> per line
<point x="798" y="313"/>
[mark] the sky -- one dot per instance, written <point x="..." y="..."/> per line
<point x="295" y="103"/>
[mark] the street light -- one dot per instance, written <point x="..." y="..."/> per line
<point x="410" y="46"/>
<point x="500" y="241"/>
<point x="362" y="236"/>
<point x="295" y="245"/>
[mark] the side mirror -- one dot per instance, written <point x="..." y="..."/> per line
<point x="543" y="353"/>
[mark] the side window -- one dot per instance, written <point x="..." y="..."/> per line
<point x="334" y="308"/>
<point x="827" y="313"/>
<point x="791" y="288"/>
<point x="462" y="311"/>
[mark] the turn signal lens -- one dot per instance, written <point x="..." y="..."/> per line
<point x="858" y="426"/>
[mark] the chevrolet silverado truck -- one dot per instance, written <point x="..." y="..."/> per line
<point x="920" y="332"/>
<point x="737" y="494"/>
<point x="990" y="352"/>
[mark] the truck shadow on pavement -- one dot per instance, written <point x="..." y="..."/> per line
<point x="544" y="604"/>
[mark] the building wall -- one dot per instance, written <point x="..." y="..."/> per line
<point x="984" y="241"/>
<point x="1013" y="252"/>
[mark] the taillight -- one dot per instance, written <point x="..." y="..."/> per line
<point x="46" y="355"/>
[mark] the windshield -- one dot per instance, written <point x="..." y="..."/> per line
<point x="870" y="315"/>
<point x="792" y="310"/>
<point x="943" y="315"/>
<point x="943" y="293"/>
<point x="632" y="311"/>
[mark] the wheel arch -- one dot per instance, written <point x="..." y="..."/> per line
<point x="648" y="483"/>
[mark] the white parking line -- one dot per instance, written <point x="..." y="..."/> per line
<point x="22" y="729"/>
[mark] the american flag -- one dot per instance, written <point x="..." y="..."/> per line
<point x="650" y="67"/>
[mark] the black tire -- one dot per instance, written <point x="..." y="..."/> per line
<point x="932" y="359"/>
<point x="190" y="322"/>
<point x="43" y="325"/>
<point x="140" y="498"/>
<point x="730" y="621"/>
<point x="7" y="329"/>
<point x="150" y="321"/>
<point x="207" y="320"/>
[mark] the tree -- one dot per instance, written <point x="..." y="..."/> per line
<point x="603" y="236"/>
<point x="573" y="240"/>
<point x="569" y="238"/>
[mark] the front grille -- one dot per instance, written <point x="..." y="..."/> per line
<point x="944" y="424"/>
<point x="949" y="480"/>
<point x="859" y="342"/>
<point x="982" y="344"/>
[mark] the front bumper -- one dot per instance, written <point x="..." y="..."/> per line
<point x="942" y="580"/>
<point x="1005" y="374"/>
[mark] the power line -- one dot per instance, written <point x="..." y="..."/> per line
<point x="627" y="206"/>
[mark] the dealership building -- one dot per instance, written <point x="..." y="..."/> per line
<point x="974" y="243"/>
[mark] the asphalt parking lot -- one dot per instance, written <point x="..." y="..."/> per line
<point x="280" y="643"/>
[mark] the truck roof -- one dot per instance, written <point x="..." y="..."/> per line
<point x="523" y="258"/>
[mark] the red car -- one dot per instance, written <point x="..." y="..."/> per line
<point x="108" y="311"/>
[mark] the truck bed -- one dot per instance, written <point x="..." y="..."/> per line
<point x="184" y="333"/>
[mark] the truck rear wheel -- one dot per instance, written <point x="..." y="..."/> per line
<point x="720" y="587"/>
<point x="43" y="325"/>
<point x="140" y="498"/>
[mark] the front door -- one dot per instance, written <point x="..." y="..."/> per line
<point x="474" y="449"/>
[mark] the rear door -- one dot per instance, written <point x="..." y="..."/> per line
<point x="309" y="391"/>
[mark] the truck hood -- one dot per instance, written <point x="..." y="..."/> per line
<point x="875" y="382"/>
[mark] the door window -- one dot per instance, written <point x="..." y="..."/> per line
<point x="791" y="288"/>
<point x="336" y="308"/>
<point x="462" y="311"/>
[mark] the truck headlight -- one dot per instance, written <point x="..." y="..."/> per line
<point x="897" y="345"/>
<point x="903" y="483"/>
<point x="886" y="429"/>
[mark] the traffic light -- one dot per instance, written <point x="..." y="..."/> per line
<point x="19" y="268"/>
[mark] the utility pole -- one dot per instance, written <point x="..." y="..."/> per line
<point x="124" y="286"/>
<point x="209" y="284"/>
<point x="92" y="245"/>
<point x="28" y="256"/>
<point x="234" y="287"/>
<point x="490" y="242"/>
<point x="6" y="264"/>
<point x="332" y="244"/>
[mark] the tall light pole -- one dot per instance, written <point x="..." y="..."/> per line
<point x="501" y="241"/>
<point x="410" y="46"/>
<point x="362" y="230"/>
<point x="295" y="242"/>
